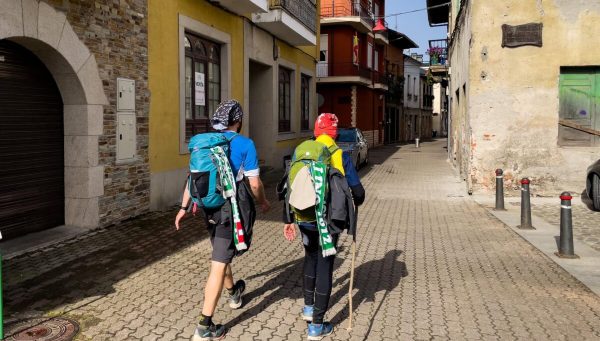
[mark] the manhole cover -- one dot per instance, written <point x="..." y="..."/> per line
<point x="416" y="151"/>
<point x="42" y="329"/>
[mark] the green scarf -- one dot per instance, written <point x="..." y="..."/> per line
<point x="318" y="170"/>
<point x="229" y="192"/>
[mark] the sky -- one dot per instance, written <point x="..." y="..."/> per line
<point x="414" y="25"/>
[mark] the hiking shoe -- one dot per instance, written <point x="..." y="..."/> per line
<point x="235" y="299"/>
<point x="319" y="331"/>
<point x="307" y="313"/>
<point x="212" y="332"/>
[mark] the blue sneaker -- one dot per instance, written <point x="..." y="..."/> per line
<point x="319" y="331"/>
<point x="210" y="333"/>
<point x="307" y="313"/>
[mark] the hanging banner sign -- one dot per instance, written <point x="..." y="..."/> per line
<point x="199" y="89"/>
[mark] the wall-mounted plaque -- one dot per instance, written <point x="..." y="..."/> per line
<point x="522" y="35"/>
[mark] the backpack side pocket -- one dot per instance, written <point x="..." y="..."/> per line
<point x="201" y="182"/>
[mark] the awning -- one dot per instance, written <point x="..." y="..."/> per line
<point x="438" y="11"/>
<point x="400" y="40"/>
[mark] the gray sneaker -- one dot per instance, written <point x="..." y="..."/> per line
<point x="235" y="299"/>
<point x="212" y="332"/>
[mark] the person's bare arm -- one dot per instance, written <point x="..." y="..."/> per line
<point x="185" y="200"/>
<point x="258" y="190"/>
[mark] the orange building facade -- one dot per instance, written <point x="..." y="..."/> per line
<point x="351" y="72"/>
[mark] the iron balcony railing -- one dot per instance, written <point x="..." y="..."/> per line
<point x="304" y="11"/>
<point x="348" y="8"/>
<point x="438" y="51"/>
<point x="343" y="69"/>
<point x="379" y="77"/>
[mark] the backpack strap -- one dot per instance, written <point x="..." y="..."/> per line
<point x="229" y="139"/>
<point x="333" y="148"/>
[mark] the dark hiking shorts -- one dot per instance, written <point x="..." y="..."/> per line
<point x="220" y="227"/>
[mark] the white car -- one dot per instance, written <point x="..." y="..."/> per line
<point x="352" y="141"/>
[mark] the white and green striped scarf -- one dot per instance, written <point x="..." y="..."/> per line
<point x="318" y="170"/>
<point x="229" y="192"/>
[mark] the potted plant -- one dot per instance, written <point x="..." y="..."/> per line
<point x="434" y="54"/>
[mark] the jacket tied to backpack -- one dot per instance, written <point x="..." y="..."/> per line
<point x="341" y="213"/>
<point x="211" y="181"/>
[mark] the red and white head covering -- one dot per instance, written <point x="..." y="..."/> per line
<point x="326" y="124"/>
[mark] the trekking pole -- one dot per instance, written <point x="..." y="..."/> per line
<point x="352" y="271"/>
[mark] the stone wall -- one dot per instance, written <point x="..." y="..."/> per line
<point x="115" y="32"/>
<point x="513" y="93"/>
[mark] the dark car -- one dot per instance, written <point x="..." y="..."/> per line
<point x="593" y="184"/>
<point x="351" y="140"/>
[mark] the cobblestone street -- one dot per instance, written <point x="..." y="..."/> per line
<point x="431" y="265"/>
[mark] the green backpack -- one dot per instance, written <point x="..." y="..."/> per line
<point x="307" y="152"/>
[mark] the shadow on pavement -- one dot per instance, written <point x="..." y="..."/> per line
<point x="287" y="283"/>
<point x="92" y="265"/>
<point x="370" y="278"/>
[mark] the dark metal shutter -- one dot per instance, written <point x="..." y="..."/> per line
<point x="31" y="144"/>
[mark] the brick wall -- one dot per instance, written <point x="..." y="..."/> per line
<point x="116" y="33"/>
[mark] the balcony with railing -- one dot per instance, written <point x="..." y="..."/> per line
<point x="294" y="21"/>
<point x="438" y="55"/>
<point x="380" y="80"/>
<point x="243" y="7"/>
<point x="356" y="13"/>
<point x="343" y="73"/>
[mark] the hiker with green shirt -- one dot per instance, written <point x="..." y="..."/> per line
<point x="307" y="194"/>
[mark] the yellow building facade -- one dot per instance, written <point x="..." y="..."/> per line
<point x="262" y="53"/>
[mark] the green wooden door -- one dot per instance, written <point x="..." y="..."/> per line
<point x="579" y="92"/>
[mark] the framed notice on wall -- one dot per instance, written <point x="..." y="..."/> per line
<point x="199" y="89"/>
<point x="522" y="35"/>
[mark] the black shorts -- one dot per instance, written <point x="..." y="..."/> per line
<point x="220" y="227"/>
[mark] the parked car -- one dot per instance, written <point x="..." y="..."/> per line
<point x="593" y="184"/>
<point x="351" y="140"/>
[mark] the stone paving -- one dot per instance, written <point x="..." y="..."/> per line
<point x="586" y="223"/>
<point x="431" y="265"/>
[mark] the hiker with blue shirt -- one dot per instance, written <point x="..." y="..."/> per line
<point x="221" y="222"/>
<point x="320" y="228"/>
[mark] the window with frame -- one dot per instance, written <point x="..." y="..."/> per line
<point x="202" y="83"/>
<point x="285" y="106"/>
<point x="305" y="102"/>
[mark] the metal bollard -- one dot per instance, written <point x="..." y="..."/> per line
<point x="565" y="246"/>
<point x="499" y="190"/>
<point x="417" y="142"/>
<point x="525" y="206"/>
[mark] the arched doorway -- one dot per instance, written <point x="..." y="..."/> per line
<point x="32" y="195"/>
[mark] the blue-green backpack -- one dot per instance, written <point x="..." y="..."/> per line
<point x="204" y="180"/>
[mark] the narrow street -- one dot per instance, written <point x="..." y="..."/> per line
<point x="431" y="264"/>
